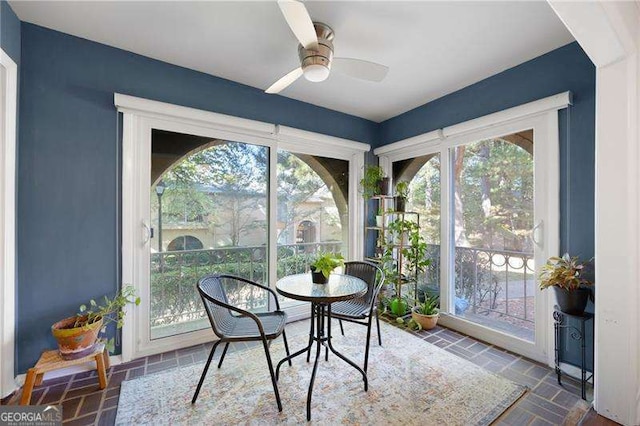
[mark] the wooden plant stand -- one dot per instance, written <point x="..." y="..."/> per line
<point x="51" y="360"/>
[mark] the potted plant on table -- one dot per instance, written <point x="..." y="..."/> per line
<point x="322" y="266"/>
<point x="566" y="275"/>
<point x="427" y="313"/>
<point x="77" y="335"/>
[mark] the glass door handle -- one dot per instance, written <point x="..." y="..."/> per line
<point x="537" y="234"/>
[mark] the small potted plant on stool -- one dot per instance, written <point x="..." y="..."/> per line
<point x="77" y="335"/>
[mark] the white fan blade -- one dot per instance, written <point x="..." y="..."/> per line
<point x="358" y="68"/>
<point x="300" y="22"/>
<point x="285" y="81"/>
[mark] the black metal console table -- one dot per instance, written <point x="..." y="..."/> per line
<point x="567" y="328"/>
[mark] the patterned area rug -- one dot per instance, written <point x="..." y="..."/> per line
<point x="410" y="382"/>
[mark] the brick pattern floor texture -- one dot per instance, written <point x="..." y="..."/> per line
<point x="546" y="404"/>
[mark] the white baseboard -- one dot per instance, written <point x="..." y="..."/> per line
<point x="74" y="369"/>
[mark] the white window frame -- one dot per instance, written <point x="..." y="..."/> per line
<point x="542" y="116"/>
<point x="143" y="115"/>
<point x="8" y="114"/>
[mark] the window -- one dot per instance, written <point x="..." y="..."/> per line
<point x="185" y="242"/>
<point x="486" y="191"/>
<point x="313" y="210"/>
<point x="234" y="173"/>
<point x="211" y="203"/>
<point x="493" y="192"/>
<point x="423" y="175"/>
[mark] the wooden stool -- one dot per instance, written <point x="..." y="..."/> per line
<point x="51" y="360"/>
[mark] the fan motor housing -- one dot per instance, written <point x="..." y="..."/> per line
<point x="323" y="54"/>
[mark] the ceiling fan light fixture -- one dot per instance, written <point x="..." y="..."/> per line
<point x="316" y="52"/>
<point x="316" y="72"/>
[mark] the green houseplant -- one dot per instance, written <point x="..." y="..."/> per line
<point x="374" y="182"/>
<point x="427" y="313"/>
<point x="404" y="237"/>
<point x="402" y="192"/>
<point x="566" y="276"/>
<point x="416" y="253"/>
<point x="77" y="335"/>
<point x="322" y="266"/>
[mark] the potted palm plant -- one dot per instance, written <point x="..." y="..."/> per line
<point x="322" y="266"/>
<point x="77" y="335"/>
<point x="427" y="313"/>
<point x="566" y="276"/>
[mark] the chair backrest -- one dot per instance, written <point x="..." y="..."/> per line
<point x="214" y="297"/>
<point x="370" y="274"/>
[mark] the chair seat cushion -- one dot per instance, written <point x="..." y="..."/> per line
<point x="244" y="327"/>
<point x="357" y="308"/>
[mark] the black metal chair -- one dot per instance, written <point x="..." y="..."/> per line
<point x="232" y="324"/>
<point x="363" y="309"/>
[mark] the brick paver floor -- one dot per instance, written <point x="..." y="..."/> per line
<point x="546" y="404"/>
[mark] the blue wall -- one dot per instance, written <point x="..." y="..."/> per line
<point x="565" y="69"/>
<point x="68" y="220"/>
<point x="9" y="32"/>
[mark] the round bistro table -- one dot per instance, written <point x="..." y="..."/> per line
<point x="339" y="288"/>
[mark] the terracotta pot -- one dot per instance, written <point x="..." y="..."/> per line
<point x="75" y="342"/>
<point x="572" y="302"/>
<point x="426" y="321"/>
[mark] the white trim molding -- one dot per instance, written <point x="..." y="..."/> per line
<point x="141" y="107"/>
<point x="432" y="139"/>
<point x="609" y="33"/>
<point x="288" y="137"/>
<point x="8" y="110"/>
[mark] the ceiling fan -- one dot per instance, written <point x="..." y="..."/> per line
<point x="316" y="51"/>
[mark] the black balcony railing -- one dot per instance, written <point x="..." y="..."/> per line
<point x="493" y="283"/>
<point x="498" y="282"/>
<point x="174" y="274"/>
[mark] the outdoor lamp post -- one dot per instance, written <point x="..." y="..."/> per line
<point x="160" y="187"/>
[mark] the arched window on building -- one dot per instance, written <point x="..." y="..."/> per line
<point x="185" y="242"/>
<point x="306" y="232"/>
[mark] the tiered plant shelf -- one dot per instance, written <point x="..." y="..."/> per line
<point x="394" y="233"/>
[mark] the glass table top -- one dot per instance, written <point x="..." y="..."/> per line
<point x="340" y="287"/>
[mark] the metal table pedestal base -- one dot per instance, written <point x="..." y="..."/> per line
<point x="317" y="335"/>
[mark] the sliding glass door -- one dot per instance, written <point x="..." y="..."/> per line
<point x="209" y="214"/>
<point x="493" y="220"/>
<point x="205" y="193"/>
<point x="488" y="201"/>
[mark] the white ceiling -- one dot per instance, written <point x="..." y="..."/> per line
<point x="431" y="48"/>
